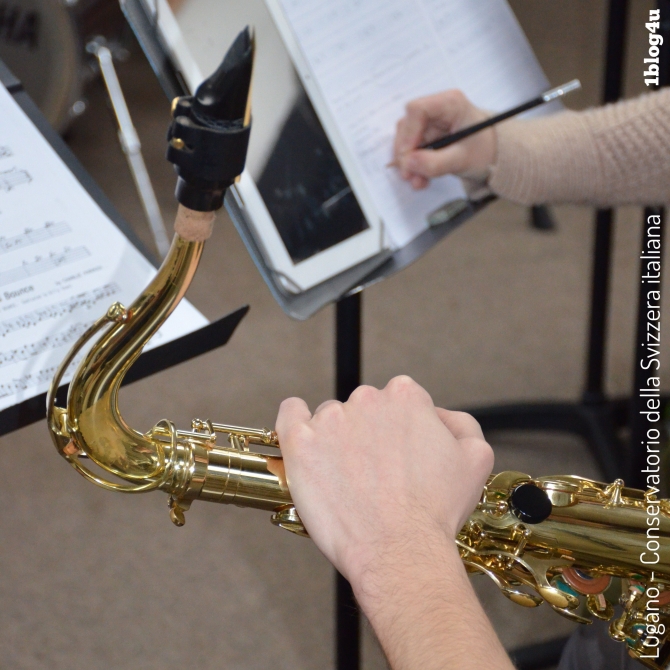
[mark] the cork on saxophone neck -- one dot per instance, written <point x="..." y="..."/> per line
<point x="194" y="226"/>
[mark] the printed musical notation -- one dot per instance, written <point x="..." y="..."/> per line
<point x="85" y="300"/>
<point x="62" y="261"/>
<point x="28" y="380"/>
<point x="40" y="265"/>
<point x="43" y="344"/>
<point x="33" y="236"/>
<point x="12" y="178"/>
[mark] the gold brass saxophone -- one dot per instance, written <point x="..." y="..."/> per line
<point x="575" y="544"/>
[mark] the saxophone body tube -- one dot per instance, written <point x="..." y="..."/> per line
<point x="229" y="476"/>
<point x="604" y="527"/>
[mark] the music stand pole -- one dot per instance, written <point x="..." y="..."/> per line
<point x="347" y="378"/>
<point x="602" y="247"/>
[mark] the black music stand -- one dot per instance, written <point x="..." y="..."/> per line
<point x="188" y="346"/>
<point x="597" y="418"/>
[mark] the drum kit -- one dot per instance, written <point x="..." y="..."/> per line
<point x="56" y="48"/>
<point x="43" y="42"/>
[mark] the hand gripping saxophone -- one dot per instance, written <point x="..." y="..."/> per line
<point x="577" y="545"/>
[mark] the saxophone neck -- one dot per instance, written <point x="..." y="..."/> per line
<point x="208" y="141"/>
<point x="96" y="427"/>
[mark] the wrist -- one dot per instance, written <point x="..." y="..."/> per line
<point x="424" y="611"/>
<point x="403" y="568"/>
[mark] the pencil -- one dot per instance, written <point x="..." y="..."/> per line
<point x="550" y="95"/>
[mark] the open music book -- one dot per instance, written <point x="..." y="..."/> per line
<point x="63" y="262"/>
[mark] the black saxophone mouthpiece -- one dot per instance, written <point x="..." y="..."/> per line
<point x="224" y="96"/>
<point x="209" y="134"/>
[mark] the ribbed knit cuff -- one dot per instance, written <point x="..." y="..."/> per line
<point x="545" y="160"/>
<point x="612" y="155"/>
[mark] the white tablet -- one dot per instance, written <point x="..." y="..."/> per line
<point x="310" y="219"/>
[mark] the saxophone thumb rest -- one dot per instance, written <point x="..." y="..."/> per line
<point x="572" y="543"/>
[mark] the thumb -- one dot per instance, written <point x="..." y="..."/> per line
<point x="428" y="163"/>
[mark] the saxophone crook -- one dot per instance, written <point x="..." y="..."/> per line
<point x="207" y="143"/>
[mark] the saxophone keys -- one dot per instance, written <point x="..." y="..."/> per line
<point x="585" y="583"/>
<point x="117" y="313"/>
<point x="522" y="598"/>
<point x="177" y="516"/>
<point x="286" y="517"/>
<point x="557" y="598"/>
<point x="613" y="493"/>
<point x="570" y="614"/>
<point x="598" y="605"/>
<point x="177" y="509"/>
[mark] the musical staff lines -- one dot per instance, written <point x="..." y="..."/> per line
<point x="32" y="379"/>
<point x="85" y="300"/>
<point x="40" y="265"/>
<point x="27" y="381"/>
<point x="33" y="236"/>
<point x="10" y="179"/>
<point x="38" y="347"/>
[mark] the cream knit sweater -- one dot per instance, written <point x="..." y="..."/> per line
<point x="611" y="155"/>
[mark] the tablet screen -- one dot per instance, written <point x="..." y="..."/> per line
<point x="305" y="189"/>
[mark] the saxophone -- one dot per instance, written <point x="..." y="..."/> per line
<point x="582" y="547"/>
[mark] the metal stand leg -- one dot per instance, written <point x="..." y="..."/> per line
<point x="348" y="377"/>
<point x="131" y="146"/>
<point x="347" y="621"/>
<point x="600" y="280"/>
<point x="541" y="218"/>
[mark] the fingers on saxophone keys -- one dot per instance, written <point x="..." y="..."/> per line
<point x="461" y="424"/>
<point x="292" y="420"/>
<point x="406" y="388"/>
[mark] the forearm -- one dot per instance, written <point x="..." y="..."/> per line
<point x="424" y="611"/>
<point x="607" y="156"/>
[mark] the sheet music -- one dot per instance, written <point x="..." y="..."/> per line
<point x="62" y="261"/>
<point x="370" y="57"/>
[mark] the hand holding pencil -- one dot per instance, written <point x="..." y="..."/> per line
<point x="446" y="134"/>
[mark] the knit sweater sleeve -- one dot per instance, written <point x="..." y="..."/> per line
<point x="612" y="155"/>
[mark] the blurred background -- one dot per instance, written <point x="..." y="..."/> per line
<point x="496" y="312"/>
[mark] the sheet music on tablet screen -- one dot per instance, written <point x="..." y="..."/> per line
<point x="62" y="261"/>
<point x="370" y="57"/>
